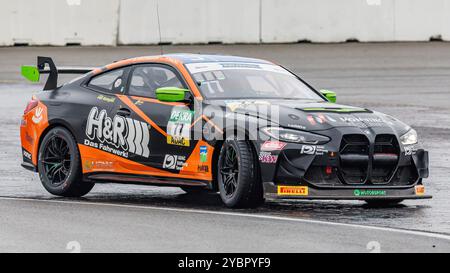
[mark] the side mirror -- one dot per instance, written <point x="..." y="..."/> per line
<point x="330" y="95"/>
<point x="171" y="94"/>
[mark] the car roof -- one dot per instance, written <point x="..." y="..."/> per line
<point x="188" y="58"/>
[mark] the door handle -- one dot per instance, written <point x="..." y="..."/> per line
<point x="124" y="112"/>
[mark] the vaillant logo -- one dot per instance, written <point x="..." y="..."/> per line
<point x="123" y="133"/>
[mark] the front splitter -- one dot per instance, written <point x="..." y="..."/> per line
<point x="272" y="190"/>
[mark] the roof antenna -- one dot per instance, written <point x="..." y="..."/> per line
<point x="159" y="28"/>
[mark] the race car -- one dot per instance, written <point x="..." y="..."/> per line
<point x="246" y="128"/>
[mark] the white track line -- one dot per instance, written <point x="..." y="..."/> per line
<point x="248" y="215"/>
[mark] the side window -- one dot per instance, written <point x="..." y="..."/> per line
<point x="113" y="81"/>
<point x="147" y="78"/>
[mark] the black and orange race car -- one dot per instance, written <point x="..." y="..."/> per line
<point x="246" y="128"/>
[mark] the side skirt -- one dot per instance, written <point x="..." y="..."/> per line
<point x="144" y="180"/>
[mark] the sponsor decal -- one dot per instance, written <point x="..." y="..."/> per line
<point x="37" y="117"/>
<point x="267" y="157"/>
<point x="272" y="146"/>
<point x="203" y="168"/>
<point x="89" y="165"/>
<point x="106" y="98"/>
<point x="234" y="105"/>
<point x="313" y="150"/>
<point x="311" y="120"/>
<point x="358" y="192"/>
<point x="118" y="83"/>
<point x="293" y="190"/>
<point x="410" y="150"/>
<point x="297" y="126"/>
<point x="29" y="138"/>
<point x="118" y="135"/>
<point x="27" y="154"/>
<point x="179" y="127"/>
<point x="174" y="162"/>
<point x="321" y="119"/>
<point x="420" y="189"/>
<point x="203" y="154"/>
<point x="294" y="117"/>
<point x="179" y="141"/>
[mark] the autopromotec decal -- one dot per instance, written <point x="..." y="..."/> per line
<point x="119" y="135"/>
<point x="369" y="192"/>
<point x="179" y="127"/>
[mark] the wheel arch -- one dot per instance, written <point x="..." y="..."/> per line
<point x="53" y="124"/>
<point x="218" y="147"/>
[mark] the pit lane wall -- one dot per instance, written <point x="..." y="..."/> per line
<point x="125" y="22"/>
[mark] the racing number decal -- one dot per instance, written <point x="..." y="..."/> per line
<point x="179" y="127"/>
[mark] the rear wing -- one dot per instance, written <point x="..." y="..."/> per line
<point x="45" y="65"/>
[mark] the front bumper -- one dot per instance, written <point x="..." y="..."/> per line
<point x="375" y="167"/>
<point x="274" y="191"/>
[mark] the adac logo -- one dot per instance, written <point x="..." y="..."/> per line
<point x="37" y="117"/>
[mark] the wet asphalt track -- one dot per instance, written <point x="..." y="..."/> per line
<point x="410" y="81"/>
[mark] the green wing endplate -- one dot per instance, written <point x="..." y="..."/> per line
<point x="30" y="73"/>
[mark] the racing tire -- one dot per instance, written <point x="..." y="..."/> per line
<point x="238" y="175"/>
<point x="383" y="202"/>
<point x="59" y="165"/>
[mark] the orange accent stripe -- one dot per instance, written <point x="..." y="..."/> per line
<point x="138" y="111"/>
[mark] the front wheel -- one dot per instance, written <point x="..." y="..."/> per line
<point x="59" y="165"/>
<point x="238" y="178"/>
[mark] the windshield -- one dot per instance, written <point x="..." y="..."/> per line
<point x="248" y="80"/>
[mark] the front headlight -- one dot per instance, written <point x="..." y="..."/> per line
<point x="296" y="136"/>
<point x="409" y="138"/>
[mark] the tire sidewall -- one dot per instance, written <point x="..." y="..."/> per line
<point x="74" y="157"/>
<point x="237" y="196"/>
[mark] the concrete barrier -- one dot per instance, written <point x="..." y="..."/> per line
<point x="362" y="20"/>
<point x="193" y="21"/>
<point x="326" y="21"/>
<point x="112" y="22"/>
<point x="59" y="22"/>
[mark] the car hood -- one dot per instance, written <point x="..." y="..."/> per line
<point x="311" y="116"/>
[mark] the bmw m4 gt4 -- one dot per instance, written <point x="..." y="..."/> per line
<point x="246" y="128"/>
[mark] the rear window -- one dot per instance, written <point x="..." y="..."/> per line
<point x="112" y="81"/>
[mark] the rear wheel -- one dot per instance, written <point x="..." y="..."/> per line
<point x="59" y="165"/>
<point x="383" y="202"/>
<point x="238" y="178"/>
